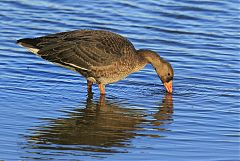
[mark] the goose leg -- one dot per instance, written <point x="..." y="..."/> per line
<point x="89" y="86"/>
<point x="101" y="101"/>
<point x="101" y="88"/>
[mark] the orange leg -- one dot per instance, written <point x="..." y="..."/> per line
<point x="101" y="88"/>
<point x="89" y="86"/>
<point x="101" y="101"/>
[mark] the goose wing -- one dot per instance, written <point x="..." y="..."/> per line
<point x="81" y="49"/>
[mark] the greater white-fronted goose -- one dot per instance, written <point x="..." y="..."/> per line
<point x="102" y="57"/>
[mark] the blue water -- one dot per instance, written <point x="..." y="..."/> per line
<point x="45" y="113"/>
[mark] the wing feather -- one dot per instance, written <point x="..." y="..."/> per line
<point x="82" y="49"/>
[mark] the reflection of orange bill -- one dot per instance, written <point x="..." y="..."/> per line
<point x="168" y="86"/>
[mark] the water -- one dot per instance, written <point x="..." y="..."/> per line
<point x="45" y="113"/>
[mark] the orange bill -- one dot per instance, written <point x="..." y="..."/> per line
<point x="168" y="86"/>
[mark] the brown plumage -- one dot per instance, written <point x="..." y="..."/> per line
<point x="102" y="57"/>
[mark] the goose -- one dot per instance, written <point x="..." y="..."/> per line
<point x="101" y="56"/>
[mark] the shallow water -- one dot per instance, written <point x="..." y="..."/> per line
<point x="45" y="113"/>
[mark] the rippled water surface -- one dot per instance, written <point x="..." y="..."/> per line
<point x="45" y="113"/>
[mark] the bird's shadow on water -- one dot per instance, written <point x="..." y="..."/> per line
<point x="101" y="126"/>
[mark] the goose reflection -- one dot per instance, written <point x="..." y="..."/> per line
<point x="99" y="126"/>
